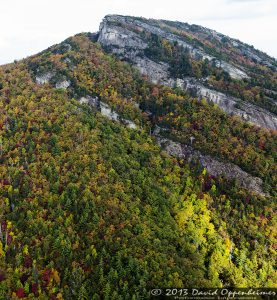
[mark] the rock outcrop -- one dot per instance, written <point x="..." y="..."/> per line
<point x="49" y="77"/>
<point x="232" y="105"/>
<point x="213" y="166"/>
<point x="44" y="78"/>
<point x="122" y="36"/>
<point x="62" y="84"/>
<point x="106" y="110"/>
<point x="129" y="43"/>
<point x="119" y="36"/>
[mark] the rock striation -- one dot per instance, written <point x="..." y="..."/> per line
<point x="231" y="105"/>
<point x="122" y="36"/>
<point x="213" y="166"/>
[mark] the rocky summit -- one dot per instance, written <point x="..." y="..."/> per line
<point x="131" y="39"/>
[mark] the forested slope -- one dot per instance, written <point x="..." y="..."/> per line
<point x="93" y="209"/>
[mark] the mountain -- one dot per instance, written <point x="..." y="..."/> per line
<point x="120" y="172"/>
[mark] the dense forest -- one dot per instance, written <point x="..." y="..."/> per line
<point x="93" y="209"/>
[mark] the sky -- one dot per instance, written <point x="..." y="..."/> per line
<point x="30" y="26"/>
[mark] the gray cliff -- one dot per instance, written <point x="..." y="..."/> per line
<point x="213" y="166"/>
<point x="121" y="36"/>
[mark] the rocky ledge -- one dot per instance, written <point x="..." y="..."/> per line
<point x="121" y="36"/>
<point x="213" y="166"/>
<point x="106" y="110"/>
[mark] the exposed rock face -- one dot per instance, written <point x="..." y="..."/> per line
<point x="157" y="72"/>
<point x="233" y="71"/>
<point x="62" y="84"/>
<point x="121" y="35"/>
<point x="106" y="110"/>
<point x="44" y="78"/>
<point x="49" y="76"/>
<point x="93" y="101"/>
<point x="130" y="124"/>
<point x="118" y="36"/>
<point x="129" y="44"/>
<point x="213" y="166"/>
<point x="229" y="104"/>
